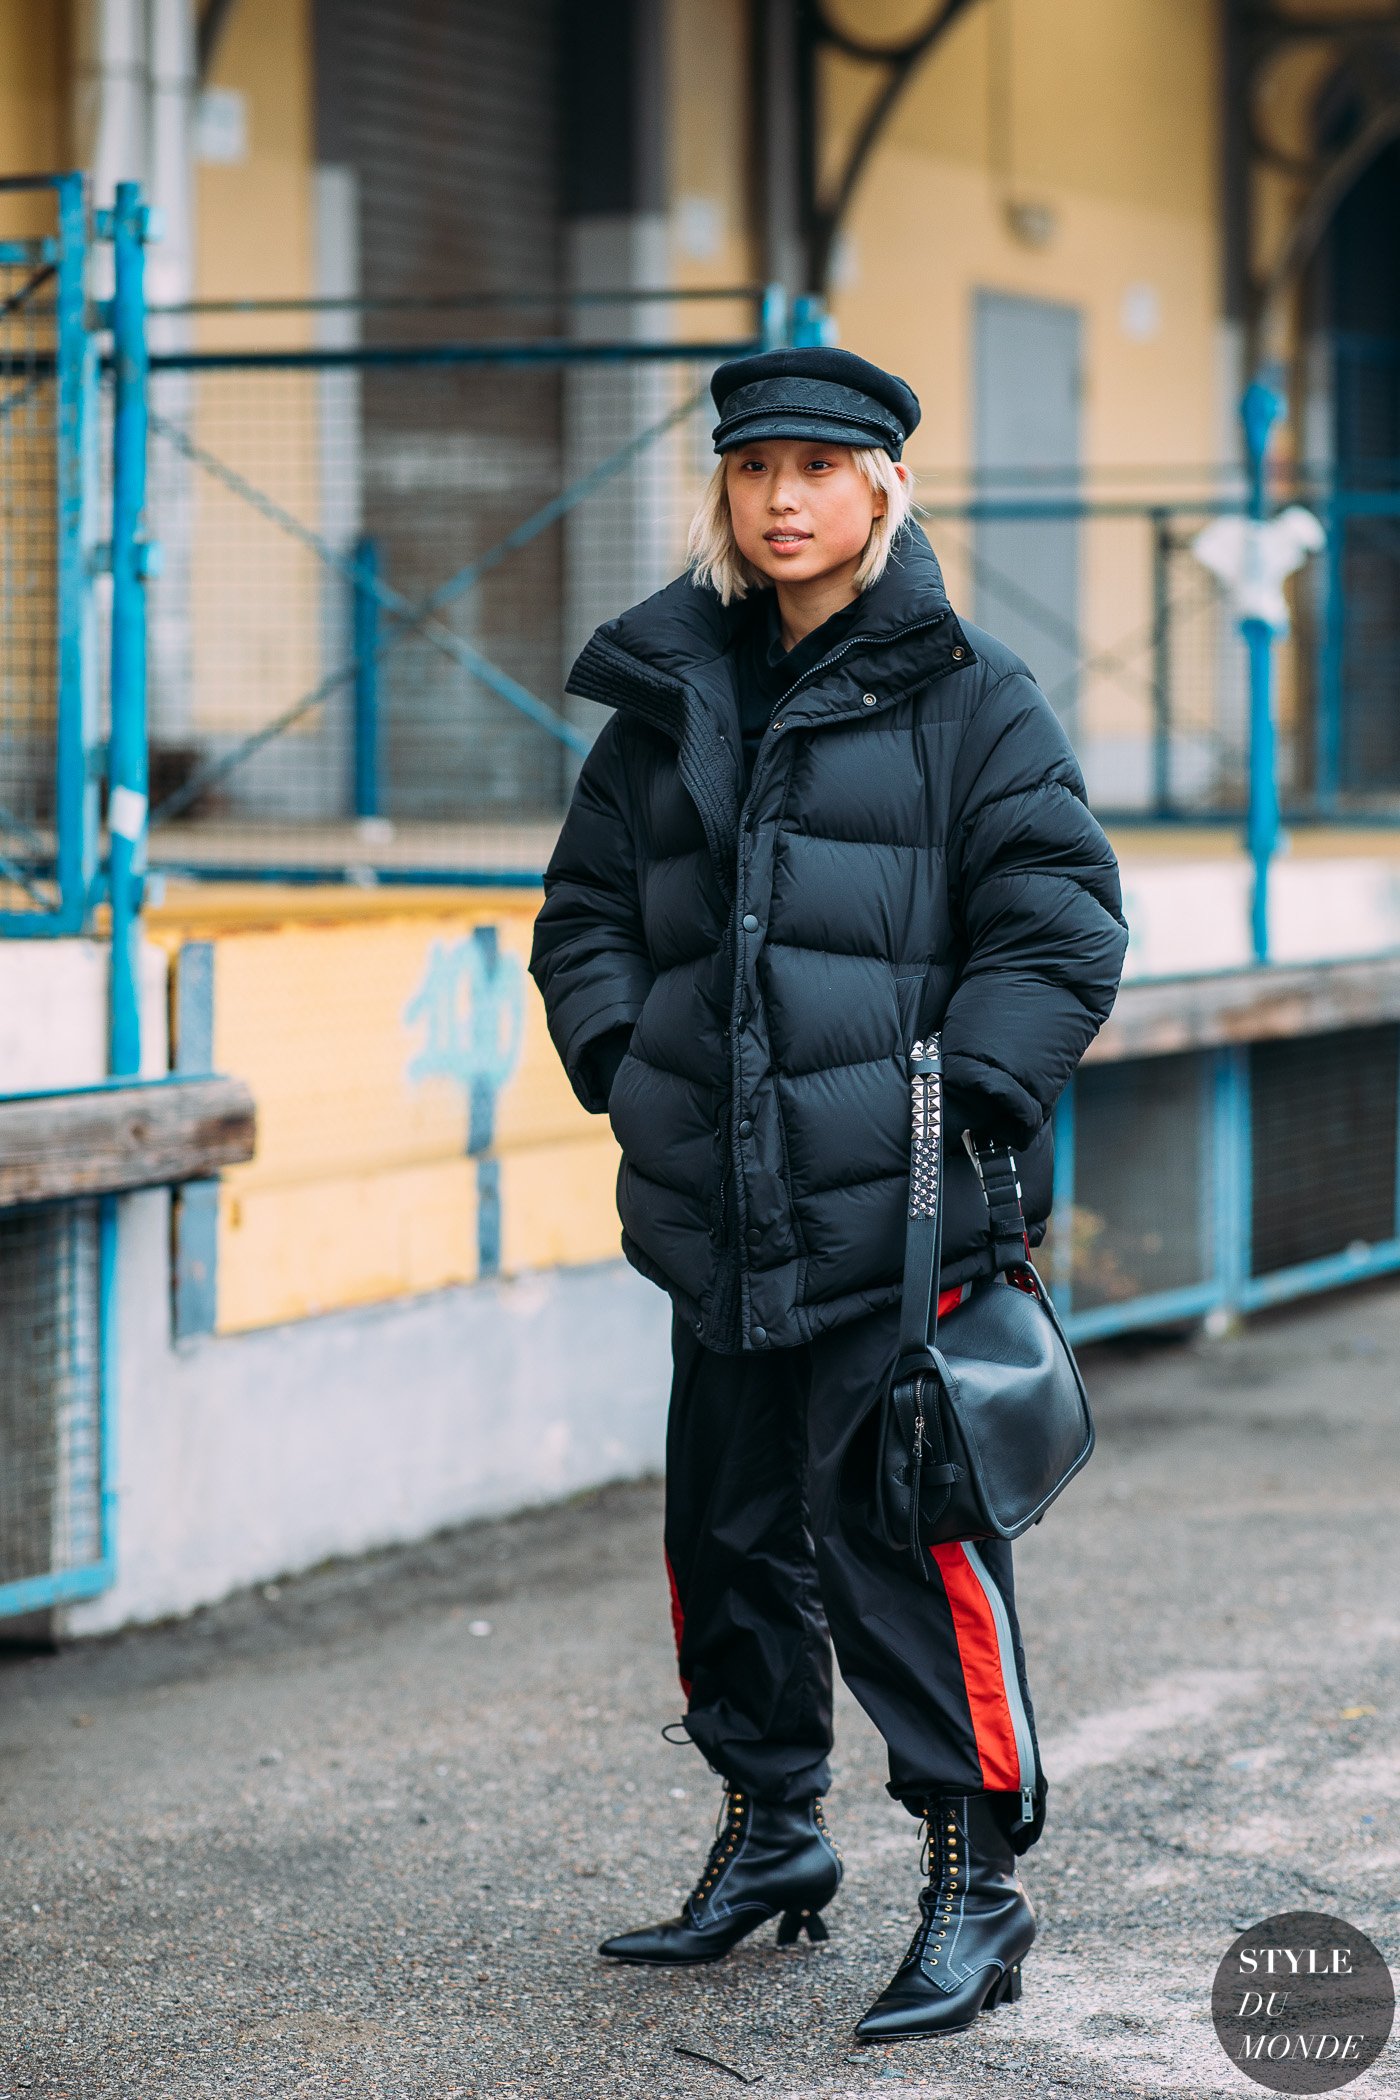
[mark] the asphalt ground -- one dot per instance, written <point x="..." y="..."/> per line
<point x="358" y="1833"/>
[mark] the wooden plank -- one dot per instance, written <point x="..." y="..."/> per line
<point x="1157" y="1018"/>
<point x="104" y="1139"/>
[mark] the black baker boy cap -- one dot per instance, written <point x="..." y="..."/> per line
<point x="831" y="396"/>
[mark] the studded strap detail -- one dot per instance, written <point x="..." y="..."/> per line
<point x="926" y="1113"/>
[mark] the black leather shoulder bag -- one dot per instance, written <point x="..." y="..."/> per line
<point x="985" y="1418"/>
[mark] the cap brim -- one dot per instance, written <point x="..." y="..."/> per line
<point x="823" y="430"/>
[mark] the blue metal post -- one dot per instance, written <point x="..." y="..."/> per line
<point x="1161" y="663"/>
<point x="365" y="650"/>
<point x="75" y="790"/>
<point x="1062" y="1200"/>
<point x="1259" y="411"/>
<point x="131" y="563"/>
<point x="1263" y="778"/>
<point x="108" y="1245"/>
<point x="1232" y="1176"/>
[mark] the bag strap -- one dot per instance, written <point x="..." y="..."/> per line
<point x="1001" y="1185"/>
<point x="923" y="1233"/>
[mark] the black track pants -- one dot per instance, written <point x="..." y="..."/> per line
<point x="764" y="1559"/>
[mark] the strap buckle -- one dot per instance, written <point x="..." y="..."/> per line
<point x="1000" y="1180"/>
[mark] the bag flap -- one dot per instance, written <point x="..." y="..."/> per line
<point x="1015" y="1394"/>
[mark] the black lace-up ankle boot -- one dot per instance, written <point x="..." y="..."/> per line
<point x="976" y="1925"/>
<point x="769" y="1858"/>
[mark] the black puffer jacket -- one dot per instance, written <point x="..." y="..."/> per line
<point x="914" y="852"/>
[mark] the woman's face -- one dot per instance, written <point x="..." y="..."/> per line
<point x="800" y="510"/>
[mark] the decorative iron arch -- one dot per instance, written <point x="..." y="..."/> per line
<point x="1259" y="35"/>
<point x="823" y="211"/>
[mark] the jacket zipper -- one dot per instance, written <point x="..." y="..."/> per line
<point x="852" y="641"/>
<point x="735" y="1082"/>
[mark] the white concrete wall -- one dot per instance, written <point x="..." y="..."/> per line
<point x="53" y="1014"/>
<point x="1189" y="916"/>
<point x="245" y="1457"/>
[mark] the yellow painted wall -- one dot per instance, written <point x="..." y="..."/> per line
<point x="708" y="59"/>
<point x="35" y="69"/>
<point x="1104" y="113"/>
<point x="361" y="1188"/>
<point x="255" y="230"/>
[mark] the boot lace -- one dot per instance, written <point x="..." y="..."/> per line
<point x="729" y="1828"/>
<point x="943" y="1861"/>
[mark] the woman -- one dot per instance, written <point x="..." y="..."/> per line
<point x="825" y="818"/>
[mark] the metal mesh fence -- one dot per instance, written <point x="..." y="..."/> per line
<point x="1141" y="658"/>
<point x="1141" y="1219"/>
<point x="28" y="572"/>
<point x="381" y="557"/>
<point x="1362" y="664"/>
<point x="50" y="1390"/>
<point x="1202" y="1178"/>
<point x="1323" y="1152"/>
<point x="374" y="582"/>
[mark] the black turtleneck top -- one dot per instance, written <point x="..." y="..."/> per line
<point x="764" y="670"/>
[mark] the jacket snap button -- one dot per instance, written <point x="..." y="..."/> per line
<point x="750" y="923"/>
<point x="958" y="655"/>
<point x="754" y="1235"/>
<point x="760" y="1334"/>
<point x="869" y="700"/>
<point x="746" y="1128"/>
<point x="776" y="725"/>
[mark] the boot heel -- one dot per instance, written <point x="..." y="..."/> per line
<point x="1008" y="1991"/>
<point x="794" y="1923"/>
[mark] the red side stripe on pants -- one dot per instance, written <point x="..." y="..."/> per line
<point x="677" y="1619"/>
<point x="980" y="1656"/>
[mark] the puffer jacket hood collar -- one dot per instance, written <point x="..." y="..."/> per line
<point x="682" y="630"/>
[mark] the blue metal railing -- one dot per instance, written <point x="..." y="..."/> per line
<point x="1225" y="1273"/>
<point x="131" y="563"/>
<point x="62" y="875"/>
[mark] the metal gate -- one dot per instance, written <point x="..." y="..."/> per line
<point x="380" y="560"/>
<point x="59" y="745"/>
<point x="48" y="784"/>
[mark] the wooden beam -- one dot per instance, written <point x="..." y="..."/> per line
<point x="1160" y="1017"/>
<point x="130" y="1136"/>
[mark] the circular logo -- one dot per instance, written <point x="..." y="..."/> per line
<point x="1303" y="2003"/>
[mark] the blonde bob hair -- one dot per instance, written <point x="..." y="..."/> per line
<point x="714" y="553"/>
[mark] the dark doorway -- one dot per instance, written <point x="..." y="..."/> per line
<point x="1362" y="267"/>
